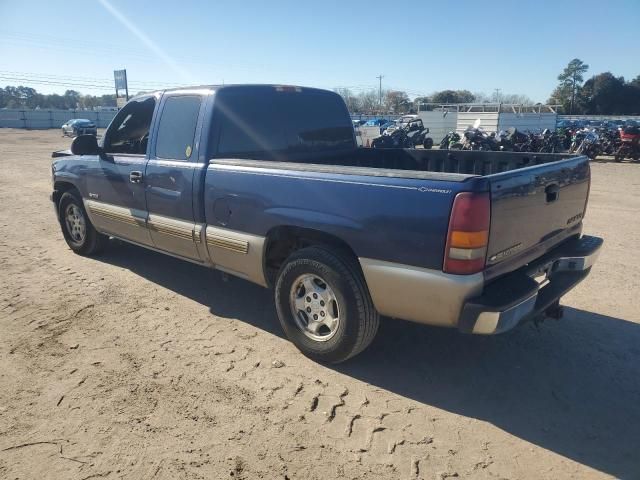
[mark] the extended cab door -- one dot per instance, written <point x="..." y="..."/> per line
<point x="115" y="183"/>
<point x="170" y="174"/>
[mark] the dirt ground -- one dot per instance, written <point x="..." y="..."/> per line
<point x="136" y="365"/>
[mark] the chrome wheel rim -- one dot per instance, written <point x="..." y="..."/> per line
<point x="75" y="222"/>
<point x="315" y="308"/>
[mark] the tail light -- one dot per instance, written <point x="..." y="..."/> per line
<point x="468" y="235"/>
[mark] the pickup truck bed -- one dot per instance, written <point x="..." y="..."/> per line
<point x="425" y="235"/>
<point x="519" y="183"/>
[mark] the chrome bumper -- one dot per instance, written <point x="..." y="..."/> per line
<point x="518" y="297"/>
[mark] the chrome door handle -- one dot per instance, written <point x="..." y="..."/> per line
<point x="135" y="177"/>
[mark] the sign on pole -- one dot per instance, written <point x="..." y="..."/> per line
<point x="120" y="79"/>
<point x="120" y="76"/>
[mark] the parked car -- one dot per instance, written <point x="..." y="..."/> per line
<point x="79" y="126"/>
<point x="266" y="183"/>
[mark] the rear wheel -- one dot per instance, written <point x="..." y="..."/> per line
<point x="324" y="305"/>
<point x="77" y="229"/>
<point x="428" y="143"/>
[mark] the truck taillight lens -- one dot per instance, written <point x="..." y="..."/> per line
<point x="468" y="234"/>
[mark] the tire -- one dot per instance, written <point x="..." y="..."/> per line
<point x="331" y="275"/>
<point x="376" y="143"/>
<point x="73" y="217"/>
<point x="428" y="143"/>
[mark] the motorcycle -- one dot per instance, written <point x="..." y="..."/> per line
<point x="629" y="144"/>
<point x="585" y="142"/>
<point x="451" y="141"/>
<point x="549" y="142"/>
<point x="610" y="141"/>
<point x="512" y="140"/>
<point x="564" y="137"/>
<point x="477" y="139"/>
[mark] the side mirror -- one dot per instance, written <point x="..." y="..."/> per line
<point x="85" y="145"/>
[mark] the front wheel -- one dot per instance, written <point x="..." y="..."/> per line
<point x="77" y="229"/>
<point x="324" y="305"/>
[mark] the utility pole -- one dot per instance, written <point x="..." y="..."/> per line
<point x="380" y="77"/>
<point x="498" y="90"/>
<point x="126" y="85"/>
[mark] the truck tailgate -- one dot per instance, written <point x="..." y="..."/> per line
<point x="533" y="209"/>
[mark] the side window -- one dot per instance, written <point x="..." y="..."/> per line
<point x="249" y="125"/>
<point x="177" y="127"/>
<point x="129" y="131"/>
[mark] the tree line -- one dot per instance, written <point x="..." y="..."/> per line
<point x="27" y="97"/>
<point x="398" y="101"/>
<point x="602" y="94"/>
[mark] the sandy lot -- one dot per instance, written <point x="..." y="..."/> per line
<point x="136" y="365"/>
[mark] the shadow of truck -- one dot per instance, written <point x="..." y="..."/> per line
<point x="571" y="387"/>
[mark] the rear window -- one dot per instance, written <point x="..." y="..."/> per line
<point x="253" y="123"/>
<point x="315" y="121"/>
<point x="248" y="123"/>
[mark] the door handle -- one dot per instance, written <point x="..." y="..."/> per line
<point x="135" y="177"/>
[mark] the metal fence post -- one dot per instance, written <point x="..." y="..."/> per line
<point x="24" y="118"/>
<point x="51" y="119"/>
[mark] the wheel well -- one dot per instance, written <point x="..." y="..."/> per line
<point x="283" y="241"/>
<point x="59" y="188"/>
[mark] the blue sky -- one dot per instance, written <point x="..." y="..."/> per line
<point x="419" y="46"/>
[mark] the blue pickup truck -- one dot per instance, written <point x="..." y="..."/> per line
<point x="266" y="182"/>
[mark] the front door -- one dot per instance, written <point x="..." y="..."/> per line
<point x="115" y="183"/>
<point x="170" y="172"/>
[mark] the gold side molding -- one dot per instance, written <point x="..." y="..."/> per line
<point x="172" y="230"/>
<point x="236" y="252"/>
<point x="112" y="212"/>
<point x="233" y="244"/>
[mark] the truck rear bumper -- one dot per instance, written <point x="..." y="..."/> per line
<point x="519" y="296"/>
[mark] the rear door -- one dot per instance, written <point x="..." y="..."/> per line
<point x="535" y="208"/>
<point x="169" y="175"/>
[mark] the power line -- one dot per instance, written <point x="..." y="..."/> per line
<point x="78" y="82"/>
<point x="105" y="80"/>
